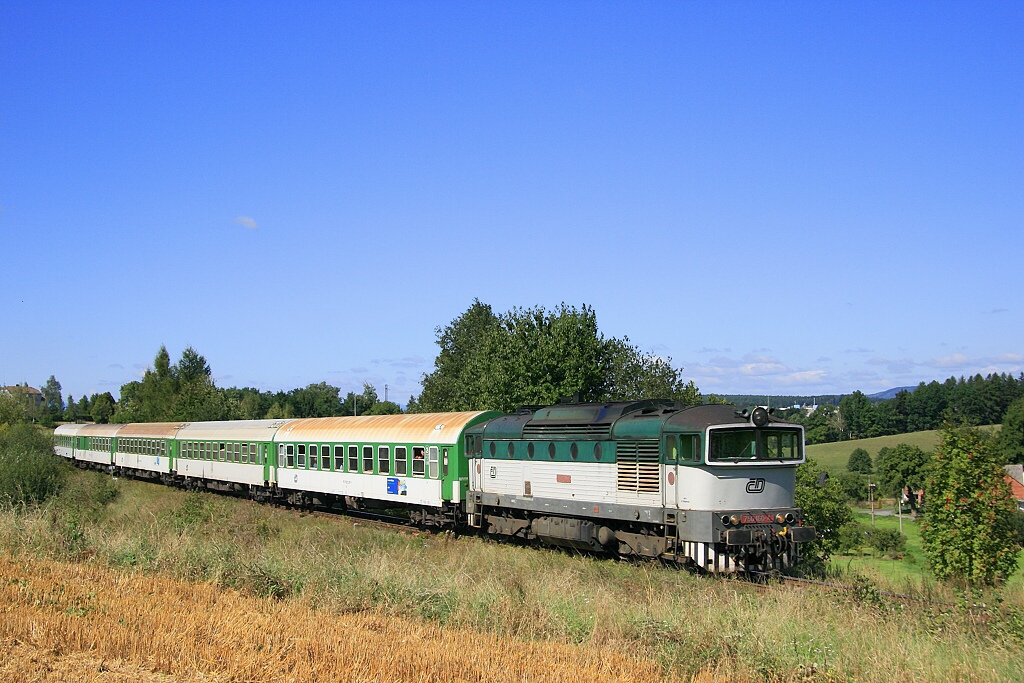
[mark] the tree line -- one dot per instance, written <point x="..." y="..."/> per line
<point x="974" y="400"/>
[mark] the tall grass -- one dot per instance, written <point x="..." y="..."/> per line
<point x="688" y="624"/>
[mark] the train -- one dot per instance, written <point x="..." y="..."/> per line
<point x="709" y="486"/>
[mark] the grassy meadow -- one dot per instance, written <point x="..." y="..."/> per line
<point x="832" y="457"/>
<point x="129" y="576"/>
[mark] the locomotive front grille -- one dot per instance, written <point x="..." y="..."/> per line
<point x="639" y="470"/>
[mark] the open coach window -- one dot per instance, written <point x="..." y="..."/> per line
<point x="754" y="444"/>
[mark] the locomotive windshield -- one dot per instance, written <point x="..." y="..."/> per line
<point x="754" y="444"/>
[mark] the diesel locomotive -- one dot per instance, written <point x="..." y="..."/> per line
<point x="710" y="486"/>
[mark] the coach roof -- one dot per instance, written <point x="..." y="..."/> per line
<point x="417" y="428"/>
<point x="231" y="430"/>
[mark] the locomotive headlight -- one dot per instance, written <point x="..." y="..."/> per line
<point x="725" y="520"/>
<point x="790" y="517"/>
<point x="780" y="518"/>
<point x="759" y="416"/>
<point x="734" y="519"/>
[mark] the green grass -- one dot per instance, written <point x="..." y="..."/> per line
<point x="832" y="457"/>
<point x="908" y="571"/>
<point x="685" y="621"/>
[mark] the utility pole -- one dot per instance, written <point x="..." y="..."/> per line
<point x="871" y="501"/>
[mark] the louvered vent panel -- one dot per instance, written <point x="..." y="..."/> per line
<point x="583" y="431"/>
<point x="639" y="469"/>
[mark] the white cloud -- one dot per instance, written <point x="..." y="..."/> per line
<point x="246" y="222"/>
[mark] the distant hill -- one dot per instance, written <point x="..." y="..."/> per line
<point x="889" y="393"/>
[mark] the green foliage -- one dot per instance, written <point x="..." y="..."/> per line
<point x="968" y="531"/>
<point x="102" y="408"/>
<point x="860" y="461"/>
<point x="824" y="508"/>
<point x="385" y="408"/>
<point x="1011" y="437"/>
<point x="12" y="410"/>
<point x="852" y="536"/>
<point x="858" y="416"/>
<point x="30" y="473"/>
<point x="531" y="356"/>
<point x="901" y="466"/>
<point x="853" y="485"/>
<point x="53" y="403"/>
<point x="887" y="541"/>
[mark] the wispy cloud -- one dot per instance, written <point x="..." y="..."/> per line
<point x="246" y="222"/>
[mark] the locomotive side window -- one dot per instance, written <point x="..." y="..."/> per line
<point x="400" y="463"/>
<point x="671" y="448"/>
<point x="689" y="448"/>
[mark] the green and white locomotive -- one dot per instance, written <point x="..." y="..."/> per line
<point x="705" y="485"/>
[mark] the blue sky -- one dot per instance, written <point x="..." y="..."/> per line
<point x="783" y="197"/>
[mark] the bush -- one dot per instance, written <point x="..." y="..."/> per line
<point x="852" y="536"/>
<point x="30" y="473"/>
<point x="887" y="541"/>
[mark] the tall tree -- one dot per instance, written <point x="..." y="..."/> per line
<point x="901" y="466"/>
<point x="459" y="375"/>
<point x="860" y="461"/>
<point x="968" y="532"/>
<point x="102" y="407"/>
<point x="1010" y="441"/>
<point x="53" y="402"/>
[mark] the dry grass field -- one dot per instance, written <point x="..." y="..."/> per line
<point x="133" y="581"/>
<point x="63" y="621"/>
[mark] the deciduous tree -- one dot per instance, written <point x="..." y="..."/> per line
<point x="860" y="461"/>
<point x="968" y="532"/>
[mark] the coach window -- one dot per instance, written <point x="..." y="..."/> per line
<point x="432" y="452"/>
<point x="339" y="458"/>
<point x="290" y="455"/>
<point x="302" y="455"/>
<point x="314" y="461"/>
<point x="368" y="459"/>
<point x="383" y="460"/>
<point x="400" y="463"/>
<point x="353" y="458"/>
<point x="325" y="458"/>
<point x="238" y="452"/>
<point x="418" y="461"/>
<point x="245" y="452"/>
